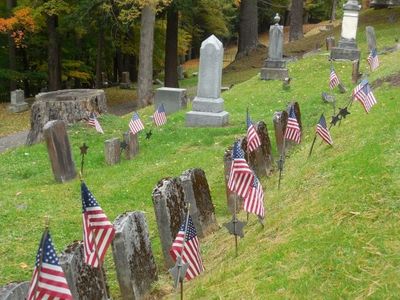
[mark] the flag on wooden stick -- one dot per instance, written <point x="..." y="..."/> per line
<point x="159" y="116"/>
<point x="363" y="93"/>
<point x="292" y="131"/>
<point x="333" y="79"/>
<point x="253" y="139"/>
<point x="135" y="124"/>
<point x="95" y="123"/>
<point x="323" y="131"/>
<point x="373" y="60"/>
<point x="254" y="201"/>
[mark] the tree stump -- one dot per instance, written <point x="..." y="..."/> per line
<point x="69" y="106"/>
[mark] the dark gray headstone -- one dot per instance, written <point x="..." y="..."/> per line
<point x="371" y="38"/>
<point x="280" y="121"/>
<point x="14" y="291"/>
<point x="59" y="150"/>
<point x="231" y="197"/>
<point x="112" y="151"/>
<point x="131" y="144"/>
<point x="134" y="262"/>
<point x="169" y="207"/>
<point x="85" y="282"/>
<point x="197" y="193"/>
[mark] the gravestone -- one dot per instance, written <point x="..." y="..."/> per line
<point x="356" y="75"/>
<point x="208" y="106"/>
<point x="133" y="258"/>
<point x="14" y="291"/>
<point x="85" y="282"/>
<point x="260" y="160"/>
<point x="169" y="207"/>
<point x="371" y="37"/>
<point x="112" y="151"/>
<point x="180" y="70"/>
<point x="197" y="193"/>
<point x="174" y="99"/>
<point x="131" y="145"/>
<point x="330" y="42"/>
<point x="18" y="103"/>
<point x="125" y="81"/>
<point x="347" y="47"/>
<point x="280" y="120"/>
<point x="59" y="151"/>
<point x="275" y="65"/>
<point x="231" y="197"/>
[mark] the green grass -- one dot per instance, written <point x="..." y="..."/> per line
<point x="331" y="231"/>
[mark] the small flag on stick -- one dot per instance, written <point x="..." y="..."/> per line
<point x="95" y="123"/>
<point x="373" y="60"/>
<point x="254" y="201"/>
<point x="253" y="139"/>
<point x="363" y="93"/>
<point x="322" y="130"/>
<point x="135" y="124"/>
<point x="292" y="131"/>
<point x="159" y="116"/>
<point x="333" y="79"/>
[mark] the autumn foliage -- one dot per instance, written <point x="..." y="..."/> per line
<point x="19" y="23"/>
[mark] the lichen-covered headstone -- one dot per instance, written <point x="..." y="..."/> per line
<point x="134" y="262"/>
<point x="197" y="193"/>
<point x="231" y="197"/>
<point x="14" y="291"/>
<point x="169" y="207"/>
<point x="280" y="120"/>
<point x="85" y="282"/>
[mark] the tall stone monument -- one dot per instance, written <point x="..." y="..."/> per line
<point x="275" y="65"/>
<point x="347" y="47"/>
<point x="208" y="106"/>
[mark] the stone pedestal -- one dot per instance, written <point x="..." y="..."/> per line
<point x="173" y="99"/>
<point x="59" y="151"/>
<point x="208" y="107"/>
<point x="112" y="151"/>
<point x="14" y="291"/>
<point x="133" y="258"/>
<point x="18" y="103"/>
<point x="131" y="144"/>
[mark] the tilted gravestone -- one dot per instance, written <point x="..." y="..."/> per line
<point x="112" y="151"/>
<point x="85" y="282"/>
<point x="371" y="37"/>
<point x="131" y="145"/>
<point x="169" y="207"/>
<point x="59" y="151"/>
<point x="280" y="120"/>
<point x="14" y="291"/>
<point x="18" y="103"/>
<point x="197" y="193"/>
<point x="134" y="262"/>
<point x="173" y="99"/>
<point x="208" y="106"/>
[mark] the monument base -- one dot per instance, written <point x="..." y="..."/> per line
<point x="16" y="108"/>
<point x="124" y="86"/>
<point x="345" y="53"/>
<point x="274" y="74"/>
<point x="208" y="104"/>
<point x="206" y="119"/>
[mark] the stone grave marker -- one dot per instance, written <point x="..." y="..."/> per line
<point x="125" y="81"/>
<point x="208" y="106"/>
<point x="14" y="291"/>
<point x="197" y="193"/>
<point x="174" y="99"/>
<point x="131" y="144"/>
<point x="169" y="207"/>
<point x="18" y="103"/>
<point x="180" y="70"/>
<point x="59" y="151"/>
<point x="85" y="282"/>
<point x="112" y="151"/>
<point x="330" y="42"/>
<point x="280" y="120"/>
<point x="275" y="65"/>
<point x="371" y="37"/>
<point x="356" y="75"/>
<point x="134" y="262"/>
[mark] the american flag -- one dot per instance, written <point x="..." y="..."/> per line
<point x="253" y="140"/>
<point x="135" y="124"/>
<point x="188" y="251"/>
<point x="98" y="231"/>
<point x="159" y="116"/>
<point x="241" y="176"/>
<point x="95" y="123"/>
<point x="363" y="93"/>
<point x="333" y="79"/>
<point x="292" y="131"/>
<point x="254" y="201"/>
<point x="373" y="60"/>
<point x="322" y="130"/>
<point x="48" y="280"/>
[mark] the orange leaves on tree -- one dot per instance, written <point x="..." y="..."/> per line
<point x="21" y="22"/>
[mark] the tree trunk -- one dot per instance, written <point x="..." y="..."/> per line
<point x="54" y="59"/>
<point x="248" y="27"/>
<point x="99" y="58"/>
<point x="333" y="15"/>
<point x="145" y="72"/>
<point x="11" y="48"/>
<point x="171" y="49"/>
<point x="296" y="20"/>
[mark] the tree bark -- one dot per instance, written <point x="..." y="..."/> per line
<point x="12" y="53"/>
<point x="171" y="49"/>
<point x="54" y="55"/>
<point x="333" y="15"/>
<point x="296" y="20"/>
<point x="99" y="58"/>
<point x="248" y="27"/>
<point x="145" y="72"/>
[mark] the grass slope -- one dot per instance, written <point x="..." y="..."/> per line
<point x="332" y="230"/>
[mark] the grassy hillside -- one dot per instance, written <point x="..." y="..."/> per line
<point x="331" y="231"/>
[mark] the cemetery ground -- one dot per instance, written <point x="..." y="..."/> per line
<point x="331" y="231"/>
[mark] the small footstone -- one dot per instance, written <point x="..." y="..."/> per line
<point x="132" y="145"/>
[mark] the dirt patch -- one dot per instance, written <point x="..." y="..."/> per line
<point x="393" y="80"/>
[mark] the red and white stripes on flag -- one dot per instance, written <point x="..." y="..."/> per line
<point x="323" y="131"/>
<point x="48" y="279"/>
<point x="95" y="123"/>
<point x="254" y="201"/>
<point x="292" y="131"/>
<point x="189" y="250"/>
<point x="253" y="139"/>
<point x="135" y="124"/>
<point x="363" y="93"/>
<point x="159" y="116"/>
<point x="333" y="79"/>
<point x="373" y="60"/>
<point x="98" y="231"/>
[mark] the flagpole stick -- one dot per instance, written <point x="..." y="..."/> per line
<point x="312" y="145"/>
<point x="181" y="289"/>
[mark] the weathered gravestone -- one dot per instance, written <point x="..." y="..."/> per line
<point x="59" y="151"/>
<point x="347" y="46"/>
<point x="330" y="42"/>
<point x="68" y="105"/>
<point x="208" y="106"/>
<point x="134" y="262"/>
<point x="371" y="38"/>
<point x="14" y="291"/>
<point x="356" y="75"/>
<point x="275" y="65"/>
<point x="169" y="207"/>
<point x="85" y="282"/>
<point x="197" y="193"/>
<point x="131" y="144"/>
<point x="180" y="70"/>
<point x="125" y="81"/>
<point x="18" y="103"/>
<point x="280" y="120"/>
<point x="174" y="99"/>
<point x="112" y="151"/>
